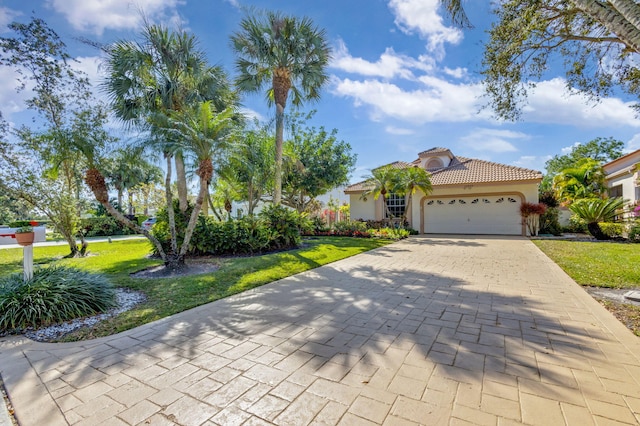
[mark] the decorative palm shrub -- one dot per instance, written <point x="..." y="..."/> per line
<point x="53" y="295"/>
<point x="595" y="210"/>
<point x="531" y="212"/>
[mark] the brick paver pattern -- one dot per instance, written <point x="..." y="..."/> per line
<point x="430" y="330"/>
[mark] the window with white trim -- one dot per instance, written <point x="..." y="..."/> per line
<point x="396" y="204"/>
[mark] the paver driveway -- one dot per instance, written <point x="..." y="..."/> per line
<point x="425" y="331"/>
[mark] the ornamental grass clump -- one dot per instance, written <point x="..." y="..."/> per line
<point x="53" y="295"/>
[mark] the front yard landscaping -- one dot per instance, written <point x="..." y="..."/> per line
<point x="167" y="296"/>
<point x="601" y="264"/>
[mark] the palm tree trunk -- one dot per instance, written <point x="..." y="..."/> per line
<point x="170" y="213"/>
<point x="120" y="196"/>
<point x="614" y="21"/>
<point x="596" y="231"/>
<point x="95" y="181"/>
<point x="277" y="193"/>
<point x="194" y="218"/>
<point x="181" y="181"/>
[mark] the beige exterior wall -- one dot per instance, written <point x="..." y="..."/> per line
<point x="625" y="172"/>
<point x="360" y="209"/>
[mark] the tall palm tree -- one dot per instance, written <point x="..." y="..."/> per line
<point x="285" y="54"/>
<point x="410" y="180"/>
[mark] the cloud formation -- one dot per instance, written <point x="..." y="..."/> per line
<point x="390" y="64"/>
<point x="422" y="16"/>
<point x="96" y="16"/>
<point x="493" y="140"/>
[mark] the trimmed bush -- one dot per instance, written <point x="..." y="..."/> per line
<point x="103" y="226"/>
<point x="549" y="223"/>
<point x="275" y="228"/>
<point x="611" y="230"/>
<point x="634" y="232"/>
<point x="53" y="295"/>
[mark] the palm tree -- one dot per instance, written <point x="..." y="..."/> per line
<point x="380" y="183"/>
<point x="202" y="133"/>
<point x="164" y="73"/>
<point x="285" y="54"/>
<point x="597" y="210"/>
<point x="585" y="180"/>
<point x="408" y="181"/>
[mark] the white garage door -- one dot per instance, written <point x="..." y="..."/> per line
<point x="493" y="215"/>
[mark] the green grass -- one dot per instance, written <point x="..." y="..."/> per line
<point x="169" y="296"/>
<point x="599" y="264"/>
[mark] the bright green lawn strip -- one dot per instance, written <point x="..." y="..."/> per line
<point x="167" y="296"/>
<point x="598" y="264"/>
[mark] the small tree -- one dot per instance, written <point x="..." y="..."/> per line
<point x="530" y="213"/>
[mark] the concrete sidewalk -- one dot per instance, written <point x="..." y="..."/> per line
<point x="426" y="331"/>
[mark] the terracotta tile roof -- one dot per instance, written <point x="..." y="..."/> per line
<point x="435" y="150"/>
<point x="395" y="165"/>
<point x="462" y="171"/>
<point x="469" y="170"/>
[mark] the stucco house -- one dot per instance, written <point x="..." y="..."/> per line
<point x="623" y="177"/>
<point x="469" y="196"/>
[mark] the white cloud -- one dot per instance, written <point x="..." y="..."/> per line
<point x="550" y="102"/>
<point x="398" y="130"/>
<point x="250" y="114"/>
<point x="10" y="100"/>
<point x="438" y="100"/>
<point x="234" y="3"/>
<point x="534" y="162"/>
<point x="6" y="17"/>
<point x="389" y="65"/>
<point x="493" y="140"/>
<point x="568" y="149"/>
<point x="634" y="143"/>
<point x="422" y="16"/>
<point x="97" y="15"/>
<point x="456" y="72"/>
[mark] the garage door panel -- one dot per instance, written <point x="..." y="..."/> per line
<point x="499" y="215"/>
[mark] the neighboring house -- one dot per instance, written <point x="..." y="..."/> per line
<point x="469" y="196"/>
<point x="623" y="177"/>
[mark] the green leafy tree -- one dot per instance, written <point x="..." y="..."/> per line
<point x="408" y="181"/>
<point x="597" y="41"/>
<point x="597" y="210"/>
<point x="61" y="96"/>
<point x="601" y="150"/>
<point x="287" y="55"/>
<point x="318" y="163"/>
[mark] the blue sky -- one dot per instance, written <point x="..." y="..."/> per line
<point x="403" y="79"/>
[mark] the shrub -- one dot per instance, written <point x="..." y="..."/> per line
<point x="611" y="230"/>
<point x="531" y="212"/>
<point x="549" y="223"/>
<point x="53" y="295"/>
<point x="349" y="228"/>
<point x="286" y="224"/>
<point x="102" y="227"/>
<point x="389" y="233"/>
<point x="596" y="210"/>
<point x="634" y="232"/>
<point x="576" y="224"/>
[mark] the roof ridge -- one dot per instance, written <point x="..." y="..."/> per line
<point x="510" y="166"/>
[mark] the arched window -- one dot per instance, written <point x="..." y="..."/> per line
<point x="434" y="163"/>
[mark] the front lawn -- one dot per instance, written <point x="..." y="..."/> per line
<point x="598" y="264"/>
<point x="167" y="296"/>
